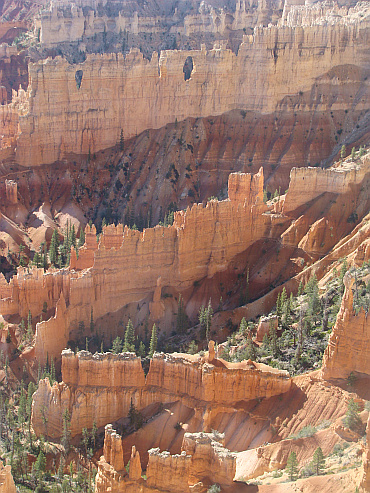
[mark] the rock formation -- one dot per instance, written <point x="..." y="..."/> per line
<point x="349" y="343"/>
<point x="101" y="387"/>
<point x="203" y="461"/>
<point x="202" y="241"/>
<point x="6" y="479"/>
<point x="112" y="100"/>
<point x="365" y="483"/>
<point x="177" y="254"/>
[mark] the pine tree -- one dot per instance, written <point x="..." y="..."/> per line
<point x="292" y="466"/>
<point x="22" y="408"/>
<point x="29" y="322"/>
<point x="182" y="318"/>
<point x="274" y="343"/>
<point x="279" y="310"/>
<point x="22" y="328"/>
<point x="250" y="352"/>
<point x="243" y="327"/>
<point x="141" y="350"/>
<point x="91" y="320"/>
<point x="81" y="240"/>
<point x="205" y="318"/>
<point x="318" y="460"/>
<point x="121" y="141"/>
<point x="353" y="154"/>
<point x="129" y="337"/>
<point x="300" y="288"/>
<point x="314" y="304"/>
<point x="66" y="434"/>
<point x="44" y="257"/>
<point x="153" y="341"/>
<point x="246" y="298"/>
<point x="343" y="152"/>
<point x="73" y="240"/>
<point x="117" y="345"/>
<point x="287" y="317"/>
<point x="54" y="246"/>
<point x="39" y="466"/>
<point x="352" y="419"/>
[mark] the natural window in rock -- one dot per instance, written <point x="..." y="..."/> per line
<point x="188" y="68"/>
<point x="78" y="77"/>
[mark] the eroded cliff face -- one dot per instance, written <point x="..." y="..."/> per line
<point x="349" y="343"/>
<point x="203" y="461"/>
<point x="100" y="388"/>
<point x="203" y="242"/>
<point x="104" y="97"/>
<point x="165" y="256"/>
<point x="6" y="479"/>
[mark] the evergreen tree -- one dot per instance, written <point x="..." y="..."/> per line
<point x="318" y="460"/>
<point x="54" y="247"/>
<point x="353" y="154"/>
<point x="343" y="152"/>
<point x="243" y="327"/>
<point x="153" y="341"/>
<point x="181" y="319"/>
<point x="94" y="434"/>
<point x="117" y="345"/>
<point x="273" y="339"/>
<point x="39" y="466"/>
<point x="129" y="337"/>
<point x="22" y="408"/>
<point x="141" y="352"/>
<point x="250" y="352"/>
<point x="44" y="257"/>
<point x="292" y="466"/>
<point x="29" y="320"/>
<point x="279" y="308"/>
<point x="314" y="304"/>
<point x="81" y="240"/>
<point x="300" y="288"/>
<point x="91" y="320"/>
<point x="286" y="312"/>
<point x="66" y="434"/>
<point x="22" y="328"/>
<point x="73" y="237"/>
<point x="121" y="141"/>
<point x="352" y="419"/>
<point x="205" y="318"/>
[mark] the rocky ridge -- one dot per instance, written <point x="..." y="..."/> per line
<point x="101" y="387"/>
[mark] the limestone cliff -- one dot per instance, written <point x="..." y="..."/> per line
<point x="203" y="461"/>
<point x="6" y="479"/>
<point x="86" y="105"/>
<point x="202" y="242"/>
<point x="178" y="255"/>
<point x="100" y="388"/>
<point x="349" y="343"/>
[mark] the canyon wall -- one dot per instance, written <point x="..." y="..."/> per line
<point x="83" y="107"/>
<point x="203" y="461"/>
<point x="307" y="184"/>
<point x="100" y="388"/>
<point x="201" y="242"/>
<point x="59" y="25"/>
<point x="349" y="343"/>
